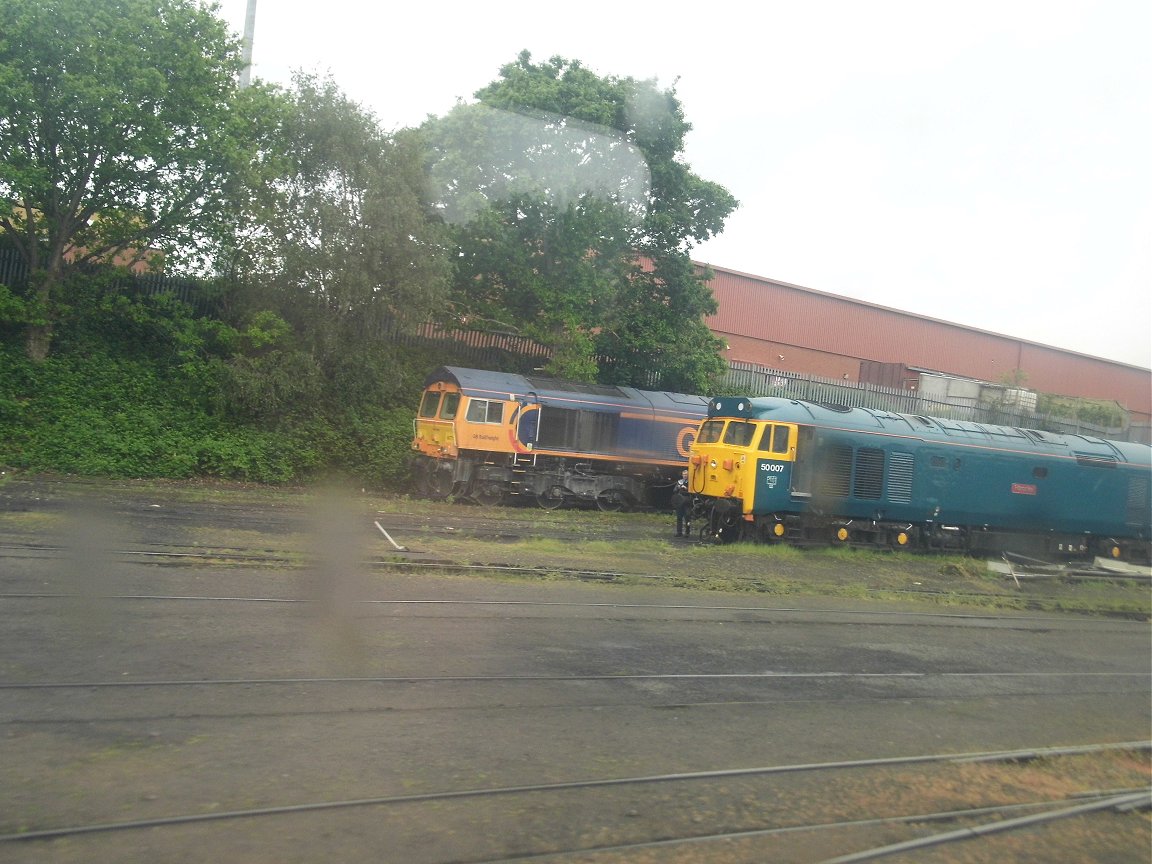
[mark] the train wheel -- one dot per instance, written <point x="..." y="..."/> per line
<point x="488" y="493"/>
<point x="769" y="532"/>
<point x="437" y="483"/>
<point x="612" y="500"/>
<point x="900" y="539"/>
<point x="551" y="498"/>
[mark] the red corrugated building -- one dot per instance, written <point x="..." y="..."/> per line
<point x="791" y="328"/>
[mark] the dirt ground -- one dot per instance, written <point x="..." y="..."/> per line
<point x="196" y="649"/>
<point x="288" y="525"/>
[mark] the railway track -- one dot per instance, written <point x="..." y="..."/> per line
<point x="979" y="817"/>
<point x="618" y="608"/>
<point x="405" y="560"/>
<point x="200" y="702"/>
<point x="851" y="809"/>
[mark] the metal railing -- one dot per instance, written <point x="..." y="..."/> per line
<point x="752" y="380"/>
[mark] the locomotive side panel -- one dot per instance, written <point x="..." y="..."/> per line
<point x="868" y="477"/>
<point x="662" y="437"/>
<point x="555" y="441"/>
<point x="487" y="425"/>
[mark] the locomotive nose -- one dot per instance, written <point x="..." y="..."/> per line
<point x="712" y="474"/>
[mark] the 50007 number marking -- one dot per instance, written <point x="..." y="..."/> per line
<point x="773" y="467"/>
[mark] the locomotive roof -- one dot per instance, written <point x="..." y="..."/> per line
<point x="567" y="394"/>
<point x="927" y="428"/>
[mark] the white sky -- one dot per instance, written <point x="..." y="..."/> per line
<point x="987" y="162"/>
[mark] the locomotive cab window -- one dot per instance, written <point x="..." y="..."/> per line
<point x="485" y="411"/>
<point x="429" y="404"/>
<point x="774" y="439"/>
<point x="710" y="432"/>
<point x="739" y="434"/>
<point x="450" y="406"/>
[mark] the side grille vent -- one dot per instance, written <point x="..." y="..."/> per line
<point x="1139" y="506"/>
<point x="869" y="484"/>
<point x="836" y="472"/>
<point x="900" y="471"/>
<point x="1092" y="461"/>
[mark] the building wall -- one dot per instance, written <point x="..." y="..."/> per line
<point x="828" y="335"/>
<point x="788" y="357"/>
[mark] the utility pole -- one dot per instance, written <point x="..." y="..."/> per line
<point x="249" y="35"/>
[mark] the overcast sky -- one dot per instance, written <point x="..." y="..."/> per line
<point x="985" y="163"/>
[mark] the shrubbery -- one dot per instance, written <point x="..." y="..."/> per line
<point x="141" y="387"/>
<point x="121" y="417"/>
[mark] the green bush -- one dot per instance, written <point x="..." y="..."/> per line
<point x="141" y="386"/>
<point x="118" y="417"/>
<point x="100" y="415"/>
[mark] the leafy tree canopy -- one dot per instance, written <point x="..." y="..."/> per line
<point x="119" y="127"/>
<point x="575" y="215"/>
<point x="332" y="235"/>
<point x="334" y="226"/>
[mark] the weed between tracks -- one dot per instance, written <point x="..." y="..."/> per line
<point x="241" y="523"/>
<point x="953" y="582"/>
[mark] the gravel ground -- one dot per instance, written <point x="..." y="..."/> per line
<point x="238" y="649"/>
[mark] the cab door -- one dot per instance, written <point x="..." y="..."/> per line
<point x="804" y="471"/>
<point x="527" y="422"/>
<point x="775" y="455"/>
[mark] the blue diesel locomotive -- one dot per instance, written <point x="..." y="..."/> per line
<point x="492" y="436"/>
<point x="783" y="470"/>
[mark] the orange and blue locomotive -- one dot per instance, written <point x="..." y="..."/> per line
<point x="491" y="436"/>
<point x="784" y="470"/>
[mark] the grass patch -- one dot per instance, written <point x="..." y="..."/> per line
<point x="627" y="549"/>
<point x="604" y="551"/>
<point x="30" y="521"/>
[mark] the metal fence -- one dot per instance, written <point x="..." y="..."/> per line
<point x="13" y="273"/>
<point x="203" y="296"/>
<point x="752" y="380"/>
<point x="500" y="352"/>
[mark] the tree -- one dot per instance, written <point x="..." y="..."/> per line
<point x="575" y="217"/>
<point x="333" y="234"/>
<point x="120" y="125"/>
<point x="333" y="250"/>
